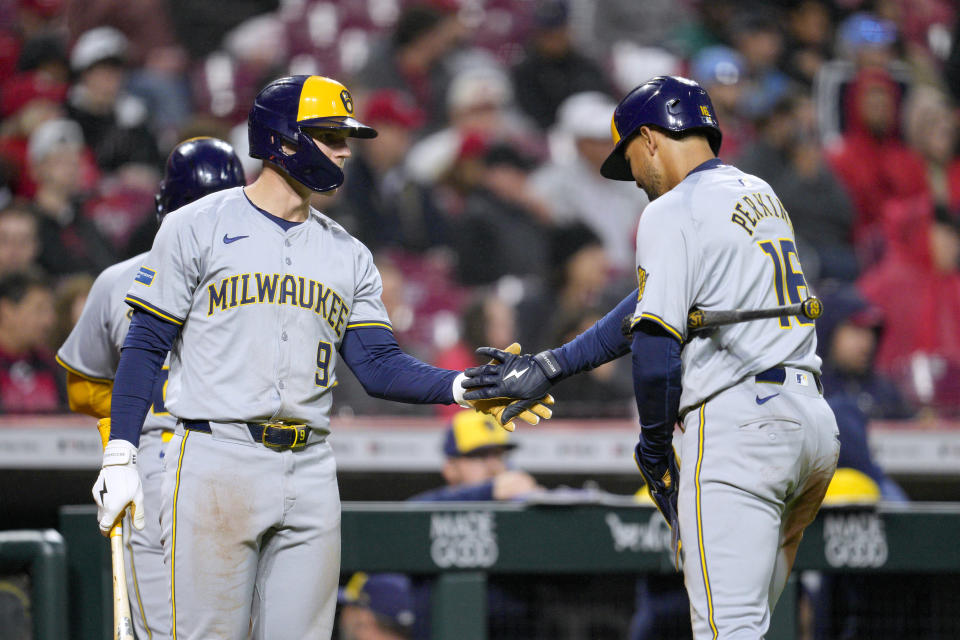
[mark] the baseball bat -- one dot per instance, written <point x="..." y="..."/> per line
<point x="699" y="319"/>
<point x="122" y="621"/>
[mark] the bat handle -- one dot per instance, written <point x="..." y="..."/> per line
<point x="122" y="621"/>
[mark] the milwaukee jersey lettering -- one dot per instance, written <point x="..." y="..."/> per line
<point x="262" y="309"/>
<point x="721" y="239"/>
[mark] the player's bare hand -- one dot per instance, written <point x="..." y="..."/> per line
<point x="118" y="485"/>
<point x="513" y="484"/>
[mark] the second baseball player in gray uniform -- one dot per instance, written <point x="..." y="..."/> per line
<point x="759" y="443"/>
<point x="90" y="355"/>
<point x="91" y="352"/>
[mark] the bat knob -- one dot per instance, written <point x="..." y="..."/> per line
<point x="695" y="319"/>
<point x="812" y="307"/>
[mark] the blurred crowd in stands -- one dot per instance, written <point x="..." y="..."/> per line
<point x="481" y="198"/>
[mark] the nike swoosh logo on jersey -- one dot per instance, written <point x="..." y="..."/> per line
<point x="770" y="397"/>
<point x="227" y="239"/>
<point x="516" y="373"/>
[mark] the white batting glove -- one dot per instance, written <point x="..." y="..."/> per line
<point x="118" y="485"/>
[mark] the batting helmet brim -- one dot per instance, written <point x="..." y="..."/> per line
<point x="354" y="128"/>
<point x="616" y="167"/>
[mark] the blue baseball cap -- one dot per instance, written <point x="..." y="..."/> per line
<point x="866" y="29"/>
<point x="717" y="65"/>
<point x="387" y="595"/>
<point x="473" y="433"/>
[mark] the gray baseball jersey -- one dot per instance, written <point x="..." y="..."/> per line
<point x="221" y="269"/>
<point x="92" y="350"/>
<point x="721" y="239"/>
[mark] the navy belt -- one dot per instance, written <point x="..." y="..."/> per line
<point x="778" y="375"/>
<point x="270" y="434"/>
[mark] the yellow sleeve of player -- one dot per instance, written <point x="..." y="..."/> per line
<point x="91" y="397"/>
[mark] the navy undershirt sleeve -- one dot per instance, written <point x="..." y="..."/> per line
<point x="374" y="356"/>
<point x="599" y="344"/>
<point x="656" y="382"/>
<point x="144" y="350"/>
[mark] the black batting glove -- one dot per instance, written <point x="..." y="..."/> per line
<point x="661" y="472"/>
<point x="518" y="377"/>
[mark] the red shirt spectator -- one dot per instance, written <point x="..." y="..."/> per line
<point x="917" y="285"/>
<point x="27" y="100"/>
<point x="30" y="380"/>
<point x="930" y="128"/>
<point x="871" y="160"/>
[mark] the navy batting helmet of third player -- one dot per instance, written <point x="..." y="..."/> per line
<point x="286" y="110"/>
<point x="669" y="102"/>
<point x="196" y="167"/>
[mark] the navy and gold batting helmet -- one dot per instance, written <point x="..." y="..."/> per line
<point x="286" y="110"/>
<point x="669" y="102"/>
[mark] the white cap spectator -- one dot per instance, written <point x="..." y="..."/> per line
<point x="586" y="115"/>
<point x="53" y="135"/>
<point x="633" y="65"/>
<point x="479" y="87"/>
<point x="259" y="41"/>
<point x="98" y="45"/>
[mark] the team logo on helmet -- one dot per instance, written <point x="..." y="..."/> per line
<point x="641" y="282"/>
<point x="346" y="100"/>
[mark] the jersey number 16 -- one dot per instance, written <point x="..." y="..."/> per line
<point x="788" y="277"/>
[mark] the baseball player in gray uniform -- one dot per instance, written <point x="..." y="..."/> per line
<point x="259" y="295"/>
<point x="759" y="444"/>
<point x="90" y="354"/>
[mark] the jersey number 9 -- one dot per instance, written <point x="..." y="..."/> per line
<point x="322" y="377"/>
